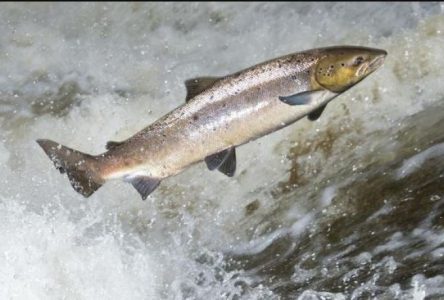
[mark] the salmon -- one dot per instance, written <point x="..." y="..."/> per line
<point x="220" y="114"/>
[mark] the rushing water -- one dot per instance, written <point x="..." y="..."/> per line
<point x="348" y="207"/>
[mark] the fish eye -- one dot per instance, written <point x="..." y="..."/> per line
<point x="359" y="60"/>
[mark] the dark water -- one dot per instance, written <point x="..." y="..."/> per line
<point x="379" y="230"/>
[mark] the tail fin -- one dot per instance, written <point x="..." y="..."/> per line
<point x="78" y="166"/>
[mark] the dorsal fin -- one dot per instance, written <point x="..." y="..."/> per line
<point x="111" y="144"/>
<point x="197" y="85"/>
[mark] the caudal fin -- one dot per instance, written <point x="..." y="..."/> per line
<point x="77" y="165"/>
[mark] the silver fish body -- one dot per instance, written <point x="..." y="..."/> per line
<point x="223" y="113"/>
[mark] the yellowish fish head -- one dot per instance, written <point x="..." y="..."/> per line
<point x="339" y="68"/>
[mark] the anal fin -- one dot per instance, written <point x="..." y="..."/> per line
<point x="145" y="185"/>
<point x="228" y="167"/>
<point x="224" y="161"/>
<point x="214" y="161"/>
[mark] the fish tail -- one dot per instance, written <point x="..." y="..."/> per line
<point x="81" y="168"/>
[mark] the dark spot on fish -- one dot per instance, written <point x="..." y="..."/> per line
<point x="332" y="66"/>
<point x="294" y="77"/>
<point x="224" y="105"/>
<point x="343" y="64"/>
<point x="298" y="61"/>
<point x="195" y="117"/>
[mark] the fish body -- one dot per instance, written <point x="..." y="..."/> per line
<point x="220" y="114"/>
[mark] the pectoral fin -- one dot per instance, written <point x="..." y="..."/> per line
<point x="144" y="185"/>
<point x="300" y="98"/>
<point x="196" y="86"/>
<point x="224" y="161"/>
<point x="314" y="115"/>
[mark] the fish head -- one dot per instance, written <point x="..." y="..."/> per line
<point x="340" y="68"/>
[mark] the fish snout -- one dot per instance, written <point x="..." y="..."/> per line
<point x="377" y="60"/>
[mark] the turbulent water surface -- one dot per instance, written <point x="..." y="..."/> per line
<point x="348" y="207"/>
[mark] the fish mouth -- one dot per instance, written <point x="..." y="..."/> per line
<point x="372" y="65"/>
<point x="378" y="61"/>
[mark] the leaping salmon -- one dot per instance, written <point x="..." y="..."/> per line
<point x="221" y="113"/>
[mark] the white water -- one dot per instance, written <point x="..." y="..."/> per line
<point x="413" y="163"/>
<point x="83" y="74"/>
